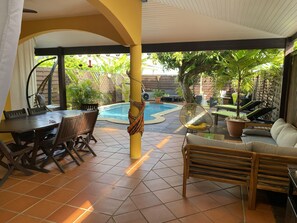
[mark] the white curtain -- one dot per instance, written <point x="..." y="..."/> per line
<point x="23" y="64"/>
<point x="10" y="27"/>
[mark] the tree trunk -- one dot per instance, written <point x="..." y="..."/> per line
<point x="187" y="93"/>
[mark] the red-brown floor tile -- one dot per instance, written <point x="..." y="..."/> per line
<point x="42" y="209"/>
<point x="6" y="215"/>
<point x="168" y="195"/>
<point x="204" y="202"/>
<point x="223" y="215"/>
<point x="196" y="218"/>
<point x="21" y="203"/>
<point x="7" y="196"/>
<point x="127" y="206"/>
<point x="156" y="184"/>
<point x="62" y="195"/>
<point x="83" y="200"/>
<point x="140" y="189"/>
<point x="107" y="205"/>
<point x="182" y="208"/>
<point x="131" y="217"/>
<point x="145" y="200"/>
<point x="157" y="214"/>
<point x="24" y="219"/>
<point x="42" y="191"/>
<point x="23" y="187"/>
<point x="67" y="214"/>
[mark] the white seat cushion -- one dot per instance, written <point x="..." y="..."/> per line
<point x="287" y="137"/>
<point x="277" y="127"/>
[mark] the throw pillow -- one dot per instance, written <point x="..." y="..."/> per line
<point x="260" y="147"/>
<point x="256" y="132"/>
<point x="287" y="137"/>
<point x="277" y="127"/>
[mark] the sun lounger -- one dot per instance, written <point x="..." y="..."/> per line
<point x="246" y="107"/>
<point x="253" y="115"/>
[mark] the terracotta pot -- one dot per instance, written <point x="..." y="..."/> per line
<point x="158" y="100"/>
<point x="235" y="126"/>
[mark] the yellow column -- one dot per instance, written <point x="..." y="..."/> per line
<point x="135" y="95"/>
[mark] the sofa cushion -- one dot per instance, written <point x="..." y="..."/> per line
<point x="250" y="138"/>
<point x="276" y="128"/>
<point x="287" y="137"/>
<point x="198" y="140"/>
<point x="256" y="132"/>
<point x="260" y="147"/>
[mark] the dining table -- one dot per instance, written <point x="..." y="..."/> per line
<point x="37" y="123"/>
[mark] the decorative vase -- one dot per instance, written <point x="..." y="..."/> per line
<point x="235" y="126"/>
<point x="158" y="100"/>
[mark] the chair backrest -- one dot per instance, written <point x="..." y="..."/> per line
<point x="259" y="112"/>
<point x="37" y="111"/>
<point x="89" y="107"/>
<point x="88" y="122"/>
<point x="250" y="105"/>
<point x="15" y="114"/>
<point x="68" y="129"/>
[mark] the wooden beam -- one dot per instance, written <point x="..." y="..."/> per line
<point x="171" y="47"/>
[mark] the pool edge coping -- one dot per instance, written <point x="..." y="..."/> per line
<point x="158" y="116"/>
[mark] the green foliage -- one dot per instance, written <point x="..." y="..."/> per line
<point x="242" y="65"/>
<point x="158" y="93"/>
<point x="82" y="92"/>
<point x="190" y="66"/>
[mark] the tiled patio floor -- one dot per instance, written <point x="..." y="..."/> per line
<point x="113" y="188"/>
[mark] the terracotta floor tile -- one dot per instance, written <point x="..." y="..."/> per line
<point x="23" y="187"/>
<point x="140" y="173"/>
<point x="42" y="191"/>
<point x="59" y="180"/>
<point x="107" y="205"/>
<point x="174" y="180"/>
<point x="140" y="189"/>
<point x="223" y="215"/>
<point x="165" y="172"/>
<point x="21" y="203"/>
<point x="157" y="214"/>
<point x="98" y="189"/>
<point x="77" y="184"/>
<point x="62" y="195"/>
<point x="156" y="184"/>
<point x="6" y="215"/>
<point x="145" y="200"/>
<point x="127" y="206"/>
<point x="10" y="182"/>
<point x="182" y="208"/>
<point x="253" y="216"/>
<point x="41" y="177"/>
<point x="159" y="165"/>
<point x="110" y="161"/>
<point x="191" y="190"/>
<point x="7" y="196"/>
<point x="24" y="219"/>
<point x="42" y="209"/>
<point x="204" y="202"/>
<point x="67" y="214"/>
<point x="196" y="218"/>
<point x="83" y="200"/>
<point x="223" y="197"/>
<point x="119" y="193"/>
<point x="131" y="217"/>
<point x="151" y="176"/>
<point x="172" y="162"/>
<point x="108" y="178"/>
<point x="92" y="217"/>
<point x="101" y="168"/>
<point x="207" y="186"/>
<point x="168" y="195"/>
<point x="128" y="182"/>
<point x="121" y="171"/>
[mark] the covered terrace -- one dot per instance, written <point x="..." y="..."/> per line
<point x="132" y="26"/>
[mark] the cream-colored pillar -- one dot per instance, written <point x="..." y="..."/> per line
<point x="135" y="95"/>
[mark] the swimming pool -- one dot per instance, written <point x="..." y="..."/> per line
<point x="153" y="113"/>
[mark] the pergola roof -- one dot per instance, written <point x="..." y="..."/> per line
<point x="176" y="21"/>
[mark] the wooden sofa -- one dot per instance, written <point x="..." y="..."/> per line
<point x="238" y="164"/>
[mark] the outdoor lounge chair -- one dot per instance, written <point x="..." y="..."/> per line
<point x="246" y="107"/>
<point x="253" y="115"/>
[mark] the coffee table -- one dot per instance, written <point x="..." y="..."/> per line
<point x="211" y="135"/>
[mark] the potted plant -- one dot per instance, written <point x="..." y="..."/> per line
<point x="158" y="93"/>
<point x="81" y="92"/>
<point x="240" y="66"/>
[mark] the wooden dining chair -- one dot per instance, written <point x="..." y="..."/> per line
<point x="90" y="107"/>
<point x="20" y="138"/>
<point x="12" y="155"/>
<point x="86" y="131"/>
<point x="37" y="110"/>
<point x="66" y="135"/>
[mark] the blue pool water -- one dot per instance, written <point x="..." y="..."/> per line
<point x="120" y="111"/>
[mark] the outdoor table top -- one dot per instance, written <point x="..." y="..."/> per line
<point x="35" y="122"/>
